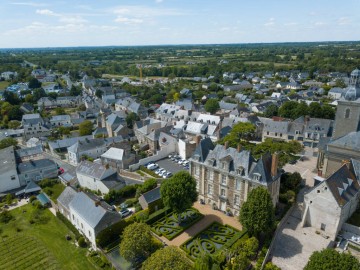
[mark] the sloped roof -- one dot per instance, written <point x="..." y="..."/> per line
<point x="94" y="170"/>
<point x="203" y="149"/>
<point x="152" y="195"/>
<point x="66" y="196"/>
<point x="349" y="141"/>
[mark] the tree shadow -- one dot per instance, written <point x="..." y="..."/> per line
<point x="287" y="247"/>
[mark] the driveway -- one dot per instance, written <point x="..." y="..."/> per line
<point x="210" y="216"/>
<point x="170" y="166"/>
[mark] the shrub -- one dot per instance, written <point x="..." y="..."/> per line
<point x="131" y="202"/>
<point x="112" y="233"/>
<point x="68" y="225"/>
<point x="5" y="217"/>
<point x="157" y="215"/>
<point x="82" y="242"/>
<point x="32" y="198"/>
<point x="149" y="172"/>
<point x="47" y="183"/>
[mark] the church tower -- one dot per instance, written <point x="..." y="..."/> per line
<point x="347" y="117"/>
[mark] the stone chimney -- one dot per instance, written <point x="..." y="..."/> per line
<point x="97" y="203"/>
<point x="346" y="162"/>
<point x="226" y="145"/>
<point x="197" y="140"/>
<point x="239" y="148"/>
<point x="274" y="164"/>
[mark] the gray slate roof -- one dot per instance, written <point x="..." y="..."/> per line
<point x="152" y="195"/>
<point x="349" y="141"/>
<point x="35" y="164"/>
<point x="7" y="160"/>
<point x="67" y="196"/>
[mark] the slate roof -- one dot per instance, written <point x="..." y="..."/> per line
<point x="35" y="164"/>
<point x="7" y="160"/>
<point x="227" y="106"/>
<point x="25" y="152"/>
<point x="31" y="119"/>
<point x="276" y="126"/>
<point x="203" y="149"/>
<point x="98" y="217"/>
<point x="348" y="141"/>
<point x="94" y="170"/>
<point x="343" y="185"/>
<point x="30" y="187"/>
<point x="65" y="143"/>
<point x="66" y="196"/>
<point x="114" y="153"/>
<point x="152" y="195"/>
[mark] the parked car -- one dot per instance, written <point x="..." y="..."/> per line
<point x="293" y="161"/>
<point x="153" y="167"/>
<point x="158" y="171"/>
<point x="181" y="161"/>
<point x="61" y="171"/>
<point x="123" y="205"/>
<point x="162" y="173"/>
<point x="125" y="212"/>
<point x="149" y="163"/>
<point x="185" y="163"/>
<point x="167" y="175"/>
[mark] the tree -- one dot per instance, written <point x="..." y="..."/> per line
<point x="14" y="124"/>
<point x="288" y="109"/>
<point x="290" y="181"/>
<point x="11" y="97"/>
<point x="212" y="105"/>
<point x="179" y="192"/>
<point x="38" y="93"/>
<point x="176" y="96"/>
<point x="75" y="91"/>
<point x="328" y="112"/>
<point x="85" y="128"/>
<point x="331" y="259"/>
<point x="131" y="118"/>
<point x="271" y="110"/>
<point x="257" y="214"/>
<point x="204" y="262"/>
<point x="315" y="110"/>
<point x="98" y="93"/>
<point x="167" y="258"/>
<point x="8" y="198"/>
<point x="15" y="113"/>
<point x="34" y="83"/>
<point x="59" y="111"/>
<point x="7" y="142"/>
<point x="137" y="242"/>
<point x="29" y="98"/>
<point x="241" y="132"/>
<point x="271" y="266"/>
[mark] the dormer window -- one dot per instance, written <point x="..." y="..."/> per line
<point x="240" y="170"/>
<point x="257" y="176"/>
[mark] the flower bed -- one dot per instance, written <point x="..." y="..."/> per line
<point x="168" y="226"/>
<point x="211" y="240"/>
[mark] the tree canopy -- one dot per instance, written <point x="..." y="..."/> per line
<point x="212" y="105"/>
<point x="167" y="258"/>
<point x="240" y="133"/>
<point x="85" y="128"/>
<point x="179" y="192"/>
<point x="137" y="242"/>
<point x="131" y="118"/>
<point x="34" y="83"/>
<point x="257" y="214"/>
<point x="7" y="142"/>
<point x="293" y="110"/>
<point x="331" y="259"/>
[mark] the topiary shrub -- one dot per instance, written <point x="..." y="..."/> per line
<point x="82" y="242"/>
<point x="32" y="198"/>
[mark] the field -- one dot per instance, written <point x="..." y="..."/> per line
<point x="3" y="84"/>
<point x="41" y="245"/>
<point x="168" y="225"/>
<point x="211" y="240"/>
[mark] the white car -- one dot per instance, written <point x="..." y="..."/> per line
<point x="167" y="175"/>
<point x="157" y="171"/>
<point x="181" y="161"/>
<point x="161" y="174"/>
<point x="153" y="167"/>
<point x="161" y="171"/>
<point x="185" y="163"/>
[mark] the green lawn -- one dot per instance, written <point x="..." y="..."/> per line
<point x="54" y="191"/>
<point x="4" y="84"/>
<point x="43" y="244"/>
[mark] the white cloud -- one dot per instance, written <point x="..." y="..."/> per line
<point x="46" y="12"/>
<point x="31" y="4"/>
<point x="320" y="23"/>
<point x="126" y="20"/>
<point x="144" y="11"/>
<point x="72" y="19"/>
<point x="270" y="22"/>
<point x="291" y="24"/>
<point x="159" y="1"/>
<point x="344" y="21"/>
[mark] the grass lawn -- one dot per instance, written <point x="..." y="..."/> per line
<point x="4" y="84"/>
<point x="54" y="191"/>
<point x="44" y="245"/>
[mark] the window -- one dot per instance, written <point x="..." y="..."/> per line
<point x="237" y="200"/>
<point x="223" y="179"/>
<point x="197" y="170"/>
<point x="280" y="134"/>
<point x="347" y="113"/>
<point x="210" y="189"/>
<point x="222" y="165"/>
<point x="323" y="226"/>
<point x="267" y="132"/>
<point x="89" y="234"/>
<point x="237" y="184"/>
<point x="211" y="175"/>
<point x="240" y="170"/>
<point x="73" y="217"/>
<point x="318" y="191"/>
<point x="82" y="226"/>
<point x="275" y="133"/>
<point x="257" y="177"/>
<point x="223" y="192"/>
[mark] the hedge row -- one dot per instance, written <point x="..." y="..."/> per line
<point x="157" y="215"/>
<point x="149" y="172"/>
<point x="112" y="233"/>
<point x="68" y="225"/>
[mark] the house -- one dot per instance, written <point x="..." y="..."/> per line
<point x="46" y="102"/>
<point x="9" y="179"/>
<point x="328" y="205"/>
<point x="38" y="73"/>
<point x="60" y="120"/>
<point x="59" y="148"/>
<point x="68" y="101"/>
<point x="293" y="86"/>
<point x="34" y="126"/>
<point x="32" y="142"/>
<point x="90" y="216"/>
<point x="30" y="153"/>
<point x="63" y="201"/>
<point x="151" y="200"/>
<point x="97" y="177"/>
<point x="26" y="108"/>
<point x="117" y="158"/>
<point x="92" y="148"/>
<point x="225" y="176"/>
<point x="36" y="170"/>
<point x="8" y="75"/>
<point x="336" y="92"/>
<point x="227" y="107"/>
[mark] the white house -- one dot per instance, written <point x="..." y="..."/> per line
<point x="329" y="204"/>
<point x="95" y="176"/>
<point x="60" y="120"/>
<point x="90" y="215"/>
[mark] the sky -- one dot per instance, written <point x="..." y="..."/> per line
<point x="44" y="23"/>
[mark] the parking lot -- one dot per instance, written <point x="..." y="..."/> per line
<point x="170" y="166"/>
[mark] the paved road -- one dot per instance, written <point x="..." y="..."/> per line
<point x="63" y="164"/>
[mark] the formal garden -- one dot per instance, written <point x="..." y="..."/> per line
<point x="169" y="226"/>
<point x="214" y="238"/>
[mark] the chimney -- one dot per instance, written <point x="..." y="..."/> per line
<point x="197" y="140"/>
<point x="226" y="145"/>
<point x="239" y="148"/>
<point x="346" y="162"/>
<point x="97" y="203"/>
<point x="274" y="164"/>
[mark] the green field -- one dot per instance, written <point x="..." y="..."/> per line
<point x="41" y="245"/>
<point x="3" y="85"/>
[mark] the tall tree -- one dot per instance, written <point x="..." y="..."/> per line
<point x="212" y="105"/>
<point x="331" y="259"/>
<point x="241" y="132"/>
<point x="179" y="192"/>
<point x="7" y="142"/>
<point x="271" y="110"/>
<point x="34" y="83"/>
<point x="167" y="258"/>
<point x="85" y="128"/>
<point x="131" y="118"/>
<point x="137" y="242"/>
<point x="257" y="214"/>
